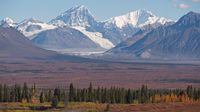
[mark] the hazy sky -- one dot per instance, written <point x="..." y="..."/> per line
<point x="46" y="10"/>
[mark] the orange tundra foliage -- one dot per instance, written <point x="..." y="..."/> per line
<point x="171" y="98"/>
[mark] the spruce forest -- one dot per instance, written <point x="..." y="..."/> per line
<point x="113" y="95"/>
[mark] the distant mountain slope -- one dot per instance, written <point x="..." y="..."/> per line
<point x="31" y="27"/>
<point x="138" y="18"/>
<point x="14" y="44"/>
<point x="80" y="19"/>
<point x="118" y="29"/>
<point x="97" y="38"/>
<point x="64" y="38"/>
<point x="178" y="41"/>
<point x="15" y="47"/>
<point x="28" y="27"/>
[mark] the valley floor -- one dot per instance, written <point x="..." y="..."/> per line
<point x="51" y="74"/>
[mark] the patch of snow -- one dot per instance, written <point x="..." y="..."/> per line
<point x="138" y="18"/>
<point x="58" y="23"/>
<point x="7" y="22"/>
<point x="146" y="55"/>
<point x="79" y="52"/>
<point x="22" y="27"/>
<point x="97" y="38"/>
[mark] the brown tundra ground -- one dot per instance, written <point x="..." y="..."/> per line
<point x="48" y="74"/>
<point x="95" y="107"/>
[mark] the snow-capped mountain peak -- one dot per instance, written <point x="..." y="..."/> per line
<point x="29" y="21"/>
<point x="33" y="20"/>
<point x="138" y="18"/>
<point x="75" y="16"/>
<point x="77" y="8"/>
<point x="7" y="22"/>
<point x="31" y="27"/>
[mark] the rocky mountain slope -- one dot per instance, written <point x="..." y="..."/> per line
<point x="178" y="41"/>
<point x="14" y="44"/>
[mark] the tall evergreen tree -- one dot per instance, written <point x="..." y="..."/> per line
<point x="189" y="91"/>
<point x="12" y="94"/>
<point x="54" y="102"/>
<point x="1" y="93"/>
<point x="90" y="93"/>
<point x="122" y="94"/>
<point x="25" y="93"/>
<point x="71" y="93"/>
<point x="84" y="95"/>
<point x="19" y="93"/>
<point x="41" y="97"/>
<point x="112" y="95"/>
<point x="5" y="94"/>
<point x="48" y="96"/>
<point x="98" y="94"/>
<point x="129" y="97"/>
<point x="78" y="95"/>
<point x="57" y="93"/>
<point x="144" y="94"/>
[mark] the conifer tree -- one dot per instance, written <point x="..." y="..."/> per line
<point x="57" y="93"/>
<point x="12" y="94"/>
<point x="129" y="97"/>
<point x="90" y="93"/>
<point x="54" y="102"/>
<point x="78" y="95"/>
<point x="1" y="93"/>
<point x="48" y="96"/>
<point x="112" y="95"/>
<point x="5" y="94"/>
<point x="189" y="91"/>
<point x="71" y="93"/>
<point x="144" y="94"/>
<point x="98" y="94"/>
<point x="19" y="93"/>
<point x="41" y="97"/>
<point x="84" y="95"/>
<point x="25" y="93"/>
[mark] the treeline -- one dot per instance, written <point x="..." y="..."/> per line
<point x="16" y="93"/>
<point x="128" y="96"/>
<point x="111" y="95"/>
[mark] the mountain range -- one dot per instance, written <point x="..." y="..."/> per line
<point x="137" y="35"/>
<point x="178" y="41"/>
<point x="16" y="48"/>
<point x="105" y="35"/>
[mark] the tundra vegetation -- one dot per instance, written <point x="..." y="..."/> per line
<point x="99" y="99"/>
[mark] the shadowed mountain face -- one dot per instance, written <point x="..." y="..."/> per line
<point x="178" y="41"/>
<point x="64" y="38"/>
<point x="14" y="44"/>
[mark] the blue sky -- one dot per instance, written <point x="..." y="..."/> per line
<point x="46" y="10"/>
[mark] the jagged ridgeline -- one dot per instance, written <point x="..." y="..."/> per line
<point x="79" y="25"/>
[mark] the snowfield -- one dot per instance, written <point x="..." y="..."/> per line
<point x="97" y="38"/>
